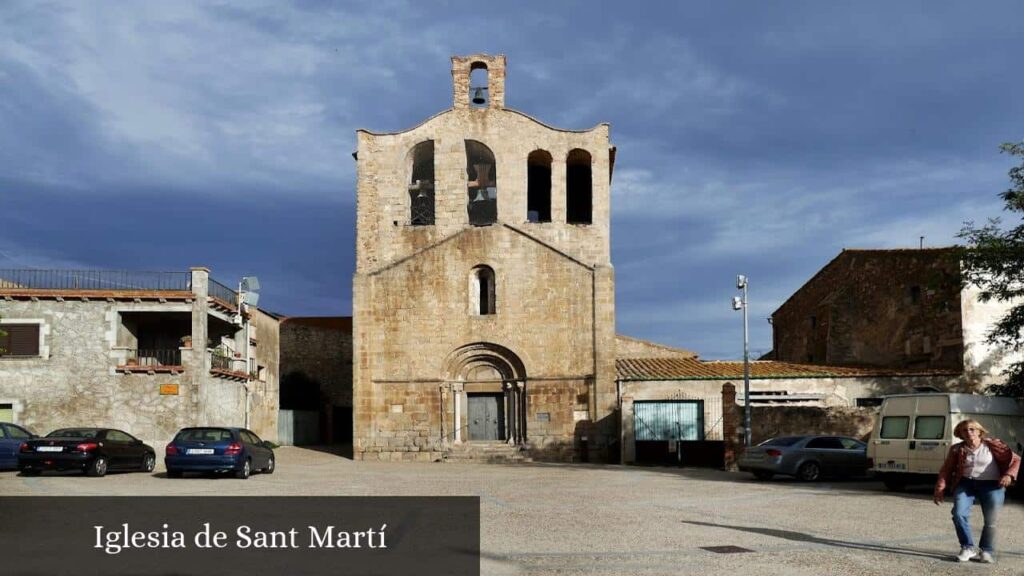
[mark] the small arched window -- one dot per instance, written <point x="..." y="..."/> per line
<point x="538" y="186"/>
<point x="481" y="291"/>
<point x="421" y="184"/>
<point x="578" y="188"/>
<point x="482" y="188"/>
<point x="479" y="93"/>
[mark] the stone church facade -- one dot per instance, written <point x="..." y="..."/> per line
<point x="484" y="296"/>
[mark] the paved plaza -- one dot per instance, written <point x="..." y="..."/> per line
<point x="595" y="519"/>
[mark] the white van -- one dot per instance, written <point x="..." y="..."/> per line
<point x="913" y="433"/>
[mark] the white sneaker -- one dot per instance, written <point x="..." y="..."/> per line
<point x="987" y="557"/>
<point x="966" y="554"/>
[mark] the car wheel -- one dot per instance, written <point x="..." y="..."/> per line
<point x="243" y="474"/>
<point x="809" y="471"/>
<point x="270" y="466"/>
<point x="762" y="475"/>
<point x="172" y="473"/>
<point x="98" y="467"/>
<point x="149" y="462"/>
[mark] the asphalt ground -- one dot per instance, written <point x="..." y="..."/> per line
<point x="593" y="519"/>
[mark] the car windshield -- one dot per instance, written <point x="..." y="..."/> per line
<point x="74" y="433"/>
<point x="781" y="441"/>
<point x="205" y="435"/>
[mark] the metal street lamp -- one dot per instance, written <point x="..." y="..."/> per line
<point x="739" y="303"/>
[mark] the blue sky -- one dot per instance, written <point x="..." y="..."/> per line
<point x="754" y="138"/>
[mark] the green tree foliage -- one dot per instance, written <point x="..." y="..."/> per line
<point x="994" y="262"/>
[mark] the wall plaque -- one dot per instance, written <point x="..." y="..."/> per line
<point x="168" y="389"/>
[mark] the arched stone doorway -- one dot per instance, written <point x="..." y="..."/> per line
<point x="487" y="390"/>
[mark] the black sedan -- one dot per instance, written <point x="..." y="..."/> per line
<point x="809" y="458"/>
<point x="91" y="450"/>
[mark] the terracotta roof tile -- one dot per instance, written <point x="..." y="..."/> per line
<point x="693" y="369"/>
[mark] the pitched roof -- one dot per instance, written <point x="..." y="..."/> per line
<point x="693" y="369"/>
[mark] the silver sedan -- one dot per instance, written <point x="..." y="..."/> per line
<point x="809" y="458"/>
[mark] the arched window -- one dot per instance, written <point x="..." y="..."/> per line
<point x="481" y="291"/>
<point x="479" y="94"/>
<point x="421" y="184"/>
<point x="538" y="186"/>
<point x="482" y="189"/>
<point x="578" y="188"/>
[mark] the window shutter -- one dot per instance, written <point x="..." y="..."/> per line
<point x="21" y="340"/>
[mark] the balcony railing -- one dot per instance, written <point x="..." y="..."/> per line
<point x="218" y="362"/>
<point x="94" y="280"/>
<point x="223" y="293"/>
<point x="157" y="357"/>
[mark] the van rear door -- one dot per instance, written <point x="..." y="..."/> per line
<point x="892" y="444"/>
<point x="931" y="434"/>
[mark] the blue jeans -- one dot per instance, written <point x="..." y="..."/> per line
<point x="990" y="495"/>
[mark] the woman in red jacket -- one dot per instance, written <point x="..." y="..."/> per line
<point x="978" y="468"/>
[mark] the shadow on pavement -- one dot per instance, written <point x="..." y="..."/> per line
<point x="811" y="539"/>
<point x="343" y="450"/>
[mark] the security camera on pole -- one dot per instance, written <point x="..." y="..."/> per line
<point x="739" y="303"/>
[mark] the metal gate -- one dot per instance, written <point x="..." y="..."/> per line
<point x="669" y="420"/>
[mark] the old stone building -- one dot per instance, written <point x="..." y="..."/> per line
<point x="145" y="352"/>
<point x="899" y="309"/>
<point x="484" y="297"/>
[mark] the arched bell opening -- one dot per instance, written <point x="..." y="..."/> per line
<point x="481" y="185"/>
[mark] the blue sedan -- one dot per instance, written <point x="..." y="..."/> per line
<point x="214" y="449"/>
<point x="11" y="438"/>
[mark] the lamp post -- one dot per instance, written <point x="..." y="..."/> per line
<point x="740" y="303"/>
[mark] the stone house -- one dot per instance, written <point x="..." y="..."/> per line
<point x="146" y="352"/>
<point x="896" y="309"/>
<point x="484" y="295"/>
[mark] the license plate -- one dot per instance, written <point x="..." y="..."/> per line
<point x="199" y="451"/>
<point x="891" y="466"/>
<point x="49" y="449"/>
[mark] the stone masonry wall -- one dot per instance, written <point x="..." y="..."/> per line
<point x="384" y="234"/>
<point x="76" y="384"/>
<point x="266" y="390"/>
<point x="559" y="436"/>
<point x="862" y="309"/>
<point x="770" y="421"/>
<point x="421" y="312"/>
<point x="320" y="349"/>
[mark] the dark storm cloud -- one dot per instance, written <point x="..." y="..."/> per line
<point x="753" y="138"/>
